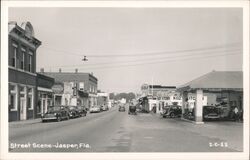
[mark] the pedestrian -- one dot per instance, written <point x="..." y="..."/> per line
<point x="236" y="114"/>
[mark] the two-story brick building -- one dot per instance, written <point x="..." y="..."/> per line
<point x="22" y="71"/>
<point x="74" y="88"/>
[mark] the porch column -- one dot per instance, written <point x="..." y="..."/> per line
<point x="184" y="97"/>
<point x="198" y="107"/>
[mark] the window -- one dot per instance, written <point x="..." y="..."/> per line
<point x="13" y="97"/>
<point x="81" y="86"/>
<point x="30" y="63"/>
<point x="30" y="98"/>
<point x="14" y="58"/>
<point x="22" y="59"/>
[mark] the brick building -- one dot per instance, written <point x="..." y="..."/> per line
<point x="22" y="71"/>
<point x="74" y="88"/>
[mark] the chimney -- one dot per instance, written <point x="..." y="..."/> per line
<point x="60" y="70"/>
<point x="76" y="70"/>
<point x="42" y="70"/>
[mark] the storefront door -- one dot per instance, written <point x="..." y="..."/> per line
<point x="23" y="108"/>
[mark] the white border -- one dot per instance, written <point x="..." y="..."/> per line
<point x="124" y="4"/>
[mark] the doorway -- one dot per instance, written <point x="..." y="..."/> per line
<point x="23" y="109"/>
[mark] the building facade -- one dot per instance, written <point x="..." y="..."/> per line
<point x="74" y="88"/>
<point x="22" y="71"/>
<point x="44" y="94"/>
<point x="221" y="89"/>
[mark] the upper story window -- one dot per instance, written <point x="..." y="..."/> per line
<point x="14" y="58"/>
<point x="30" y="63"/>
<point x="23" y="59"/>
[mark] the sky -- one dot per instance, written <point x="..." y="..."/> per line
<point x="127" y="47"/>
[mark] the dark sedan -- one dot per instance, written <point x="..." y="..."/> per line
<point x="122" y="109"/>
<point x="57" y="113"/>
<point x="73" y="113"/>
<point x="172" y="111"/>
<point x="211" y="113"/>
<point x="82" y="111"/>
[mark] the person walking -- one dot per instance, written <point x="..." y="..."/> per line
<point x="236" y="114"/>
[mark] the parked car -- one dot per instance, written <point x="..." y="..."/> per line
<point x="82" y="111"/>
<point x="56" y="113"/>
<point x="104" y="108"/>
<point x="95" y="109"/>
<point x="132" y="109"/>
<point x="73" y="113"/>
<point x="172" y="111"/>
<point x="122" y="109"/>
<point x="211" y="112"/>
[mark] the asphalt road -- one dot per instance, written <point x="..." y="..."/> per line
<point x="113" y="131"/>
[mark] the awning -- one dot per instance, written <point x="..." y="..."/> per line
<point x="44" y="89"/>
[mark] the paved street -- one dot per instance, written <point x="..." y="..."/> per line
<point x="114" y="131"/>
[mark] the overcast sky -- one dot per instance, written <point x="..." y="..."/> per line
<point x="127" y="47"/>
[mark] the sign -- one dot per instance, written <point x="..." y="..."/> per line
<point x="57" y="88"/>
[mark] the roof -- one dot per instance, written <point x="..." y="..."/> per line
<point x="160" y="86"/>
<point x="216" y="80"/>
<point x="68" y="76"/>
<point x="25" y="30"/>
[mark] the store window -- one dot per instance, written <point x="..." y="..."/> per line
<point x="13" y="97"/>
<point x="30" y="98"/>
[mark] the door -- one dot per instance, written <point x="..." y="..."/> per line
<point x="23" y="108"/>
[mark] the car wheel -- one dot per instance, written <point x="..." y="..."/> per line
<point x="164" y="116"/>
<point x="172" y="115"/>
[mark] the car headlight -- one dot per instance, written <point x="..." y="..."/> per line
<point x="55" y="114"/>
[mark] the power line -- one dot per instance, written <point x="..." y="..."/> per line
<point x="157" y="62"/>
<point x="151" y="59"/>
<point x="142" y="54"/>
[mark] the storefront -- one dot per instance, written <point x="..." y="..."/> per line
<point x="44" y="94"/>
<point x="218" y="92"/>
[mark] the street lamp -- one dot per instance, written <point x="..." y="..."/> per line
<point x="84" y="59"/>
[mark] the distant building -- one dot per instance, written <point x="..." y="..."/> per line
<point x="102" y="98"/>
<point x="155" y="90"/>
<point x="74" y="88"/>
<point x="22" y="71"/>
<point x="157" y="95"/>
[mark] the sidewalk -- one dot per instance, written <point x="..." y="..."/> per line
<point x="24" y="122"/>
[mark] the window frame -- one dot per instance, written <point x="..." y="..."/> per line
<point x="15" y="50"/>
<point x="15" y="93"/>
<point x="23" y="59"/>
<point x="30" y="94"/>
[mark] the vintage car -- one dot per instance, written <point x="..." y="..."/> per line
<point x="82" y="111"/>
<point x="56" y="113"/>
<point x="73" y="113"/>
<point x="104" y="108"/>
<point x="95" y="109"/>
<point x="132" y="109"/>
<point x="211" y="113"/>
<point x="121" y="109"/>
<point x="171" y="111"/>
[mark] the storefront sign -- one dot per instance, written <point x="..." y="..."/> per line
<point x="57" y="88"/>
